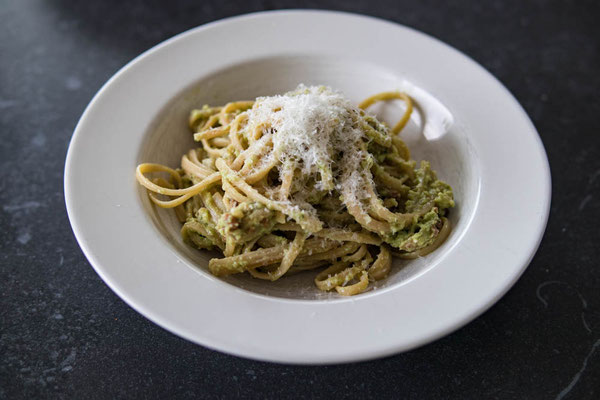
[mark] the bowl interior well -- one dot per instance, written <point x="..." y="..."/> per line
<point x="169" y="137"/>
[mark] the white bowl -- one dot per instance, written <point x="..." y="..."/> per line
<point x="491" y="156"/>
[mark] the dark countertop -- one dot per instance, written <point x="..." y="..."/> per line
<point x="64" y="334"/>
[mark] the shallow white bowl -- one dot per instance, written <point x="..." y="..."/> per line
<point x="492" y="157"/>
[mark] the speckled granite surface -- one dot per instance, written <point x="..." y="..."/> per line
<point x="64" y="334"/>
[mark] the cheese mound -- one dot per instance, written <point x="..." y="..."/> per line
<point x="319" y="132"/>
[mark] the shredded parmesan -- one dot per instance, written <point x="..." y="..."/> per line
<point x="316" y="129"/>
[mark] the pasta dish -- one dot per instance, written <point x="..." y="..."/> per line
<point x="302" y="181"/>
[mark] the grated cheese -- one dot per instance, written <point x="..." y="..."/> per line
<point x="316" y="129"/>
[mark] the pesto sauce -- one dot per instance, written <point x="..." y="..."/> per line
<point x="426" y="192"/>
<point x="246" y="222"/>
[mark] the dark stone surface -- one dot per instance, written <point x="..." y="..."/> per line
<point x="64" y="334"/>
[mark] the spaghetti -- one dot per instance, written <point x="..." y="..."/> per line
<point x="301" y="181"/>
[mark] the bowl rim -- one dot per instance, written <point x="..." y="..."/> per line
<point x="303" y="310"/>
